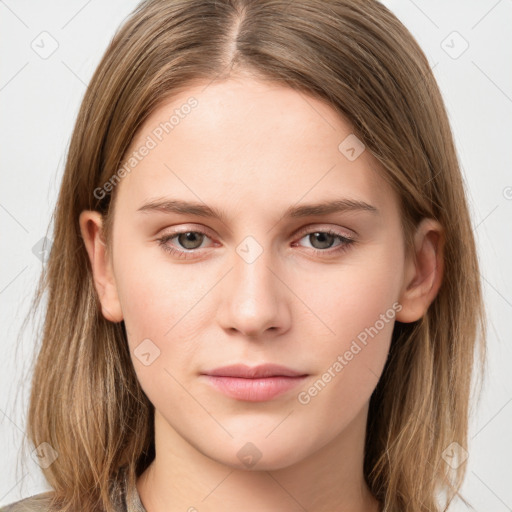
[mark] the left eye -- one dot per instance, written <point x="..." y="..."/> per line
<point x="325" y="239"/>
<point x="189" y="239"/>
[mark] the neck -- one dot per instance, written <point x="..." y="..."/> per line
<point x="181" y="478"/>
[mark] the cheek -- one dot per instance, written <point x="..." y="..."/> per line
<point x="360" y="317"/>
<point x="359" y="305"/>
<point x="152" y="307"/>
<point x="153" y="300"/>
<point x="166" y="309"/>
<point x="153" y="293"/>
<point x="351" y="296"/>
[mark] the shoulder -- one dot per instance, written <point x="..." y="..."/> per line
<point x="37" y="503"/>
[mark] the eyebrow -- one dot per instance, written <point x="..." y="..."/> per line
<point x="167" y="205"/>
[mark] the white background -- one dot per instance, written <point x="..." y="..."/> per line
<point x="39" y="100"/>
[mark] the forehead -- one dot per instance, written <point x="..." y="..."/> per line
<point x="249" y="142"/>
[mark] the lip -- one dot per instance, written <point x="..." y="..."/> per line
<point x="254" y="384"/>
<point x="251" y="372"/>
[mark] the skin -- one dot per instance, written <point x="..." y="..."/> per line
<point x="253" y="149"/>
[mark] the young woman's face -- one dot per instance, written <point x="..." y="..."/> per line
<point x="274" y="280"/>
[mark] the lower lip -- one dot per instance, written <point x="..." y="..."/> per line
<point x="254" y="390"/>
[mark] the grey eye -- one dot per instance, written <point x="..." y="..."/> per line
<point x="321" y="240"/>
<point x="189" y="240"/>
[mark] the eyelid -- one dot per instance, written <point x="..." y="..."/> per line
<point x="185" y="228"/>
<point x="343" y="232"/>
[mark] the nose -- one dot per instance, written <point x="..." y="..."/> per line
<point x="254" y="298"/>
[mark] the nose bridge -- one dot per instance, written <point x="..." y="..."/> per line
<point x="254" y="301"/>
<point x="251" y="270"/>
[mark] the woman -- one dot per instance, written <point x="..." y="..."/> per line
<point x="263" y="290"/>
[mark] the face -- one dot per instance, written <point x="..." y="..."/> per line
<point x="270" y="280"/>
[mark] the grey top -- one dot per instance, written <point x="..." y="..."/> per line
<point x="127" y="499"/>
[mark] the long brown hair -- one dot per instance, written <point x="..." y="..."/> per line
<point x="86" y="401"/>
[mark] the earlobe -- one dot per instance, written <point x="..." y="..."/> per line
<point x="423" y="271"/>
<point x="91" y="224"/>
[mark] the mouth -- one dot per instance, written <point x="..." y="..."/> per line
<point x="254" y="384"/>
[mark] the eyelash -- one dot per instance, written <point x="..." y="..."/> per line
<point x="346" y="242"/>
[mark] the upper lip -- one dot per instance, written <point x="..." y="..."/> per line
<point x="252" y="372"/>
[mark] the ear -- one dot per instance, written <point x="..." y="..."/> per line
<point x="91" y="227"/>
<point x="423" y="271"/>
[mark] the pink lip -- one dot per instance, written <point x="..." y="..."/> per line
<point x="254" y="384"/>
<point x="248" y="372"/>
